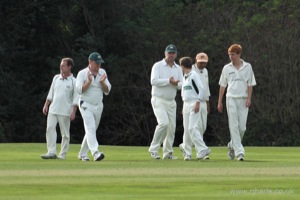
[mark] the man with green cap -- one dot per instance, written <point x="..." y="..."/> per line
<point x="166" y="80"/>
<point x="91" y="84"/>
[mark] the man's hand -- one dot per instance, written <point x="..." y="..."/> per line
<point x="173" y="81"/>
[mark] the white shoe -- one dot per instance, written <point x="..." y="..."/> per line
<point x="98" y="156"/>
<point x="61" y="156"/>
<point x="170" y="156"/>
<point x="240" y="157"/>
<point x="231" y="153"/>
<point x="83" y="158"/>
<point x="48" y="156"/>
<point x="204" y="155"/>
<point x="154" y="155"/>
<point x="187" y="158"/>
<point x="182" y="150"/>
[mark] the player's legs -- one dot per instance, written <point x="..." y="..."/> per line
<point x="169" y="140"/>
<point x="187" y="141"/>
<point x="203" y="117"/>
<point x="243" y="114"/>
<point x="51" y="135"/>
<point x="162" y="126"/>
<point x="194" y="130"/>
<point x="232" y="111"/>
<point x="64" y="124"/>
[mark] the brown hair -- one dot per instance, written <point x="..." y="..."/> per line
<point x="69" y="61"/>
<point x="235" y="48"/>
<point x="186" y="62"/>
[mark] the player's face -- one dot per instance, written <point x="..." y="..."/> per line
<point x="170" y="56"/>
<point x="234" y="57"/>
<point x="94" y="67"/>
<point x="201" y="65"/>
<point x="64" y="67"/>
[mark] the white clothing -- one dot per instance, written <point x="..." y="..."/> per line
<point x="204" y="78"/>
<point x="94" y="94"/>
<point x="237" y="119"/>
<point x="192" y="88"/>
<point x="91" y="107"/>
<point x="165" y="113"/>
<point x="193" y="132"/>
<point x="160" y="75"/>
<point x="51" y="134"/>
<point x="91" y="115"/>
<point x="62" y="95"/>
<point x="192" y="128"/>
<point x="164" y="105"/>
<point x="237" y="80"/>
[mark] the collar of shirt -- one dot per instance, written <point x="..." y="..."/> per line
<point x="197" y="70"/>
<point x="66" y="78"/>
<point x="243" y="65"/>
<point x="166" y="64"/>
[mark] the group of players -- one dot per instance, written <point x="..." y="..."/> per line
<point x="166" y="79"/>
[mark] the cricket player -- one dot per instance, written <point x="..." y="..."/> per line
<point x="63" y="101"/>
<point x="166" y="80"/>
<point x="194" y="96"/>
<point x="92" y="83"/>
<point x="200" y="68"/>
<point x="239" y="77"/>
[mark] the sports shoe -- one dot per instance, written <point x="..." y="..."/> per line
<point x="240" y="157"/>
<point x="154" y="155"/>
<point x="98" y="156"/>
<point x="61" y="156"/>
<point x="48" y="156"/>
<point x="170" y="156"/>
<point x="231" y="153"/>
<point x="83" y="158"/>
<point x="182" y="150"/>
<point x="204" y="154"/>
<point x="187" y="158"/>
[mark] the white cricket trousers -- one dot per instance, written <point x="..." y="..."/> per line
<point x="91" y="115"/>
<point x="193" y="125"/>
<point x="51" y="134"/>
<point x="237" y="119"/>
<point x="165" y="112"/>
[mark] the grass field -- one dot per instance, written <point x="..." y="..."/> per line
<point x="130" y="173"/>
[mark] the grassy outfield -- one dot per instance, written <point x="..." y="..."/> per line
<point x="130" y="173"/>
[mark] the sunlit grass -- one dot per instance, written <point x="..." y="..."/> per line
<point x="130" y="173"/>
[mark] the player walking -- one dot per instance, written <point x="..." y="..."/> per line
<point x="194" y="96"/>
<point x="239" y="77"/>
<point x="92" y="83"/>
<point x="63" y="100"/>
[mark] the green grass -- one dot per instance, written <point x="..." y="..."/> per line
<point x="130" y="173"/>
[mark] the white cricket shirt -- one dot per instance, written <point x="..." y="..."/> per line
<point x="190" y="91"/>
<point x="94" y="93"/>
<point x="62" y="95"/>
<point x="160" y="75"/>
<point x="237" y="80"/>
<point x="204" y="78"/>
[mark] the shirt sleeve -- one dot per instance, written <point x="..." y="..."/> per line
<point x="79" y="82"/>
<point x="155" y="79"/>
<point x="223" y="78"/>
<point x="107" y="83"/>
<point x="51" y="90"/>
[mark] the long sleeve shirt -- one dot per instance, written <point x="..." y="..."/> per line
<point x="160" y="75"/>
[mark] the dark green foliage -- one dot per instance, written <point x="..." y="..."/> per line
<point x="131" y="36"/>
